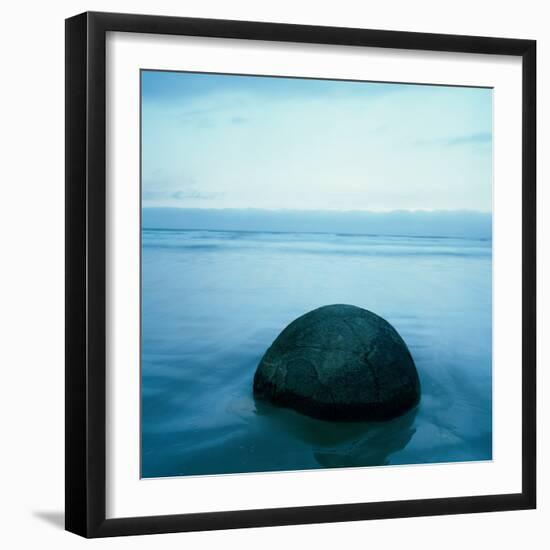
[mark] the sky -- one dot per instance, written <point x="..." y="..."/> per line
<point x="225" y="141"/>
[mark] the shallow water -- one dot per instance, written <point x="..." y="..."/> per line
<point x="213" y="302"/>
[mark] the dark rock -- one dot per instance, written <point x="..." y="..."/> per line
<point x="339" y="362"/>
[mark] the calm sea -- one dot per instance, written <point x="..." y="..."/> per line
<point x="213" y="301"/>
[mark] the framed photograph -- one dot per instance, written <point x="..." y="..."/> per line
<point x="300" y="274"/>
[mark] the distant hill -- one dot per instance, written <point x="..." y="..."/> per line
<point x="440" y="223"/>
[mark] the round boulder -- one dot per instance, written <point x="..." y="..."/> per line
<point x="339" y="362"/>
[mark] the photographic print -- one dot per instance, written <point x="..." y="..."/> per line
<point x="316" y="274"/>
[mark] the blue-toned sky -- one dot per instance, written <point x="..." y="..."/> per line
<point x="221" y="141"/>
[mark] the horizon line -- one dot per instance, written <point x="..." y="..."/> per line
<point x="328" y="210"/>
<point x="337" y="234"/>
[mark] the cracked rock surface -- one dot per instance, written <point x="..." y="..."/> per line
<point x="339" y="362"/>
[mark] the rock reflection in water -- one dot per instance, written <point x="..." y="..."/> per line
<point x="342" y="444"/>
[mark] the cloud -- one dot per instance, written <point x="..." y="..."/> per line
<point x="198" y="113"/>
<point x="468" y="139"/>
<point x="161" y="180"/>
<point x="239" y="120"/>
<point x="194" y="194"/>
<point x="178" y="195"/>
<point x="206" y="117"/>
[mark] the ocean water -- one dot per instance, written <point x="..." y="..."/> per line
<point x="213" y="302"/>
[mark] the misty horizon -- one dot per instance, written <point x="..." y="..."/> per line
<point x="416" y="223"/>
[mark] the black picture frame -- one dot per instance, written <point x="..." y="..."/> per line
<point x="86" y="274"/>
